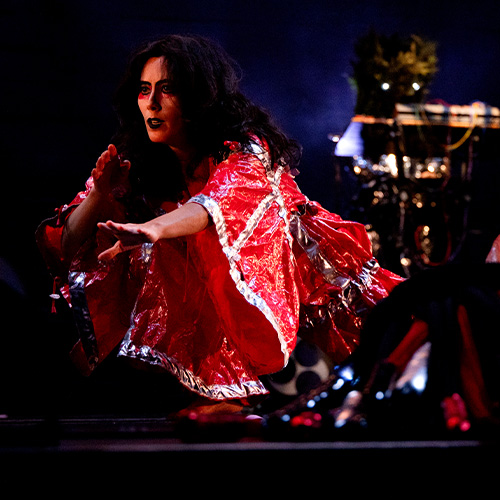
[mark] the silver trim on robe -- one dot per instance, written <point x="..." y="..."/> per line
<point x="187" y="377"/>
<point x="232" y="252"/>
<point x="350" y="288"/>
<point x="81" y="313"/>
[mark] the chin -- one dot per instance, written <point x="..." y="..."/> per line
<point x="158" y="138"/>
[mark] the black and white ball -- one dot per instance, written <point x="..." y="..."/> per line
<point x="307" y="368"/>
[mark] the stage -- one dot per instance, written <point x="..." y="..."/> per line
<point x="104" y="449"/>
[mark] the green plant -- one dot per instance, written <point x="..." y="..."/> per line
<point x="390" y="70"/>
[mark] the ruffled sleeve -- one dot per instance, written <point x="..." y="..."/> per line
<point x="258" y="299"/>
<point x="83" y="283"/>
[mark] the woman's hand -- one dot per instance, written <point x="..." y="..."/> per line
<point x="109" y="175"/>
<point x="128" y="236"/>
<point x="183" y="221"/>
<point x="110" y="172"/>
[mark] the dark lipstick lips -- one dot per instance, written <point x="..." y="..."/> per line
<point x="154" y="123"/>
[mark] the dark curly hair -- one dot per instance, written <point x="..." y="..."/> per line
<point x="206" y="82"/>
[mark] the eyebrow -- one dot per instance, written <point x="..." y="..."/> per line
<point x="159" y="81"/>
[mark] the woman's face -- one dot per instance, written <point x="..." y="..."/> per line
<point x="160" y="107"/>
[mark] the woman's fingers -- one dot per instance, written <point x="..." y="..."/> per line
<point x="113" y="251"/>
<point x="110" y="253"/>
<point x="118" y="229"/>
<point x="100" y="167"/>
<point x="110" y="171"/>
<point x="124" y="170"/>
<point x="108" y="157"/>
<point x="129" y="236"/>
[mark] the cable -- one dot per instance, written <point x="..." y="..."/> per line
<point x="451" y="147"/>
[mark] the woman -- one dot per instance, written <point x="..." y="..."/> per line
<point x="192" y="249"/>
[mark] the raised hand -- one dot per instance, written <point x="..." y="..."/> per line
<point x="110" y="172"/>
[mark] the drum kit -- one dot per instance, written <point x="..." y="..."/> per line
<point x="413" y="175"/>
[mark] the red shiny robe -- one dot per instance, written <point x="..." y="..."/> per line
<point x="222" y="307"/>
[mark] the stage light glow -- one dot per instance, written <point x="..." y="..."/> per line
<point x="347" y="373"/>
<point x="338" y="384"/>
<point x="405" y="261"/>
<point x="419" y="382"/>
<point x="392" y="163"/>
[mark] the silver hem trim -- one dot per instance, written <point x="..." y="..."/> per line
<point x="188" y="378"/>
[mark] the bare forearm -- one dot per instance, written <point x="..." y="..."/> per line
<point x="82" y="223"/>
<point x="109" y="173"/>
<point x="188" y="219"/>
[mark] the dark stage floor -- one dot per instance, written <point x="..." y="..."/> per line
<point x="78" y="449"/>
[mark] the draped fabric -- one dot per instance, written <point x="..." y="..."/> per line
<point x="222" y="307"/>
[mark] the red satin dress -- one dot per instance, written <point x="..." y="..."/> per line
<point x="223" y="307"/>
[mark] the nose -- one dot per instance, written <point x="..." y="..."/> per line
<point x="153" y="102"/>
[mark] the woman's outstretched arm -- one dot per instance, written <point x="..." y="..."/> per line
<point x="185" y="220"/>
